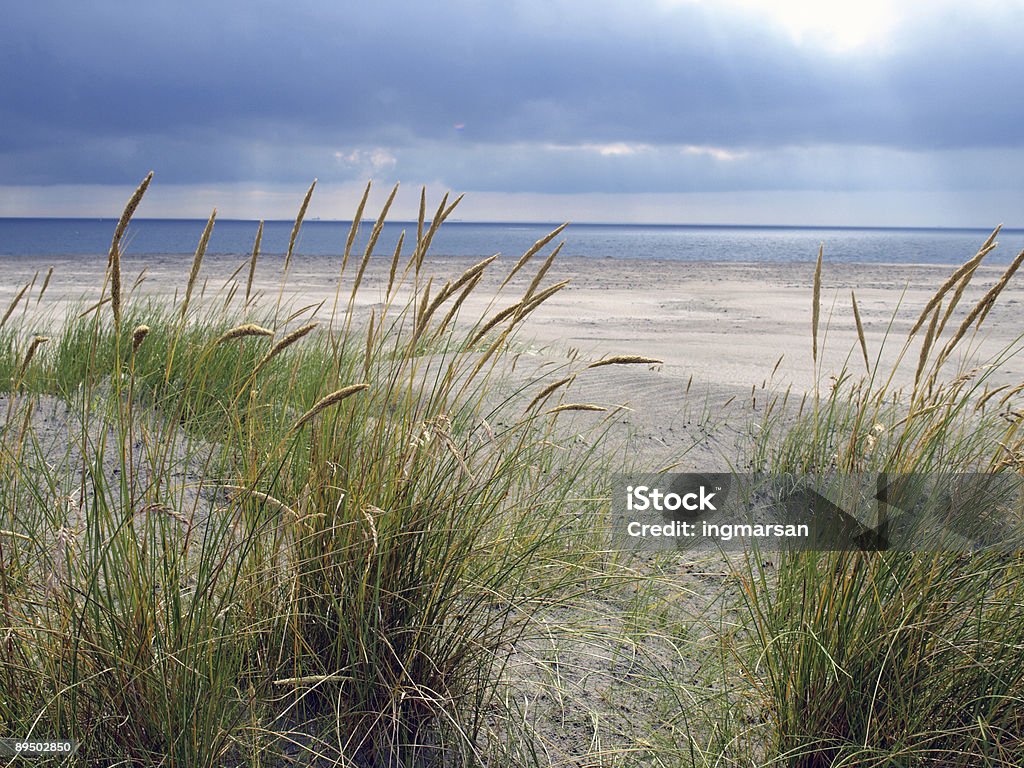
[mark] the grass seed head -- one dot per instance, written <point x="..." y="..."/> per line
<point x="332" y="399"/>
<point x="626" y="360"/>
<point x="242" y="331"/>
<point x="138" y="336"/>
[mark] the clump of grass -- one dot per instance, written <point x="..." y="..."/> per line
<point x="243" y="538"/>
<point x="894" y="658"/>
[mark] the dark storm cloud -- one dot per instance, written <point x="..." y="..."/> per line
<point x="229" y="91"/>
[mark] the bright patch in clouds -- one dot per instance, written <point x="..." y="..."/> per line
<point x="836" y="24"/>
<point x="615" y="149"/>
<point x="718" y="153"/>
<point x="841" y="25"/>
<point x="374" y="159"/>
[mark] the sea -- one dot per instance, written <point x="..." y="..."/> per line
<point x="85" y="237"/>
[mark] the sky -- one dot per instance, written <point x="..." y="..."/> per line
<point x="655" y="111"/>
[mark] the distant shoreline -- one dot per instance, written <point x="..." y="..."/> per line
<point x="516" y="223"/>
<point x="683" y="243"/>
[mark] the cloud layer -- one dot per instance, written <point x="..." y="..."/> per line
<point x="558" y="97"/>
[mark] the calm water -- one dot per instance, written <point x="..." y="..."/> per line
<point x="64" y="237"/>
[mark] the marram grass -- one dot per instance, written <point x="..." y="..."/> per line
<point x="268" y="530"/>
<point x="278" y="535"/>
<point x="895" y="658"/>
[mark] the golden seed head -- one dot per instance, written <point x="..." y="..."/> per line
<point x="241" y="331"/>
<point x="578" y="407"/>
<point x="36" y="342"/>
<point x="626" y="360"/>
<point x="138" y="336"/>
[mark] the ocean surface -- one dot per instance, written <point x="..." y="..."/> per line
<point x="69" y="237"/>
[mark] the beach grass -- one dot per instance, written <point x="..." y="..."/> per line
<point x="896" y="657"/>
<point x="235" y="530"/>
<point x="271" y="533"/>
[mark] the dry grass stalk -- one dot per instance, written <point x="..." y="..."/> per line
<point x="46" y="284"/>
<point x="491" y="350"/>
<point x="965" y="271"/>
<point x="126" y="215"/>
<point x="312" y="680"/>
<point x="297" y="226"/>
<point x="1004" y="279"/>
<point x="378" y="227"/>
<point x="445" y="437"/>
<point x="450" y="288"/>
<point x="394" y="262"/>
<point x="266" y="498"/>
<point x="423" y="238"/>
<point x="517" y="312"/>
<point x="138" y="336"/>
<point x="353" y="230"/>
<point x="252" y="262"/>
<point x="243" y="331"/>
<point x="24" y="429"/>
<point x="498" y="318"/>
<point x="163" y="509"/>
<point x="626" y="360"/>
<point x="466" y="291"/>
<point x="285" y="342"/>
<point x="312" y="309"/>
<point x="422" y="215"/>
<point x="197" y="261"/>
<point x="816" y="305"/>
<point x="532" y="252"/>
<point x="424" y="304"/>
<point x="368" y="353"/>
<point x="535" y="283"/>
<point x="36" y="343"/>
<point x="471" y="273"/>
<point x="989" y="395"/>
<point x="1015" y="391"/>
<point x="230" y="297"/>
<point x="13" y="304"/>
<point x="435" y="223"/>
<point x="114" y="256"/>
<point x="140" y="279"/>
<point x="443" y="211"/>
<point x="448" y="211"/>
<point x="91" y="309"/>
<point x="540" y="298"/>
<point x="543" y="394"/>
<point x="860" y="333"/>
<point x="929" y="337"/>
<point x="324" y="403"/>
<point x="953" y="302"/>
<point x="577" y="407"/>
<point x="981" y="308"/>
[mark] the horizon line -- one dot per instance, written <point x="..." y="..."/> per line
<point x="494" y="222"/>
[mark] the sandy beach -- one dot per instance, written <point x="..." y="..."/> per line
<point x="726" y="324"/>
<point x="730" y="334"/>
<point x="731" y="337"/>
